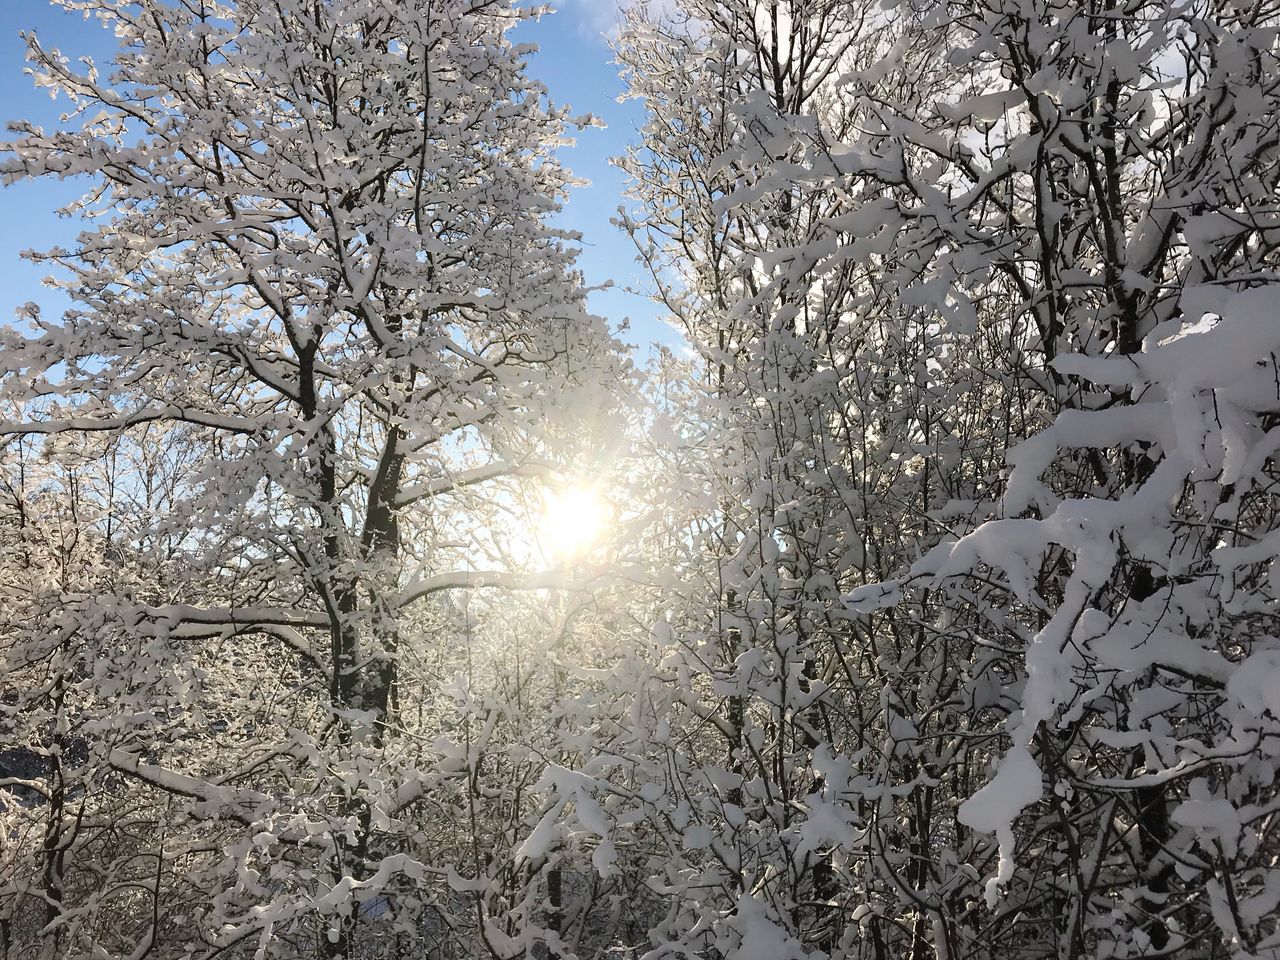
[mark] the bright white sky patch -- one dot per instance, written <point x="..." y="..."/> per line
<point x="602" y="17"/>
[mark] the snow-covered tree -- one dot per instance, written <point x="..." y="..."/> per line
<point x="904" y="245"/>
<point x="316" y="265"/>
<point x="816" y="408"/>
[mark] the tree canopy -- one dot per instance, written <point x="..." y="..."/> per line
<point x="362" y="596"/>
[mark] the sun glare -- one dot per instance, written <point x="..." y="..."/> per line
<point x="573" y="520"/>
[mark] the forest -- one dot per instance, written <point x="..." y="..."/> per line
<point x="364" y="596"/>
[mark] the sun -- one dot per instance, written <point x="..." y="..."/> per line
<point x="573" y="520"/>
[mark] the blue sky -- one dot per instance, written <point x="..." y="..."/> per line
<point x="573" y="61"/>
